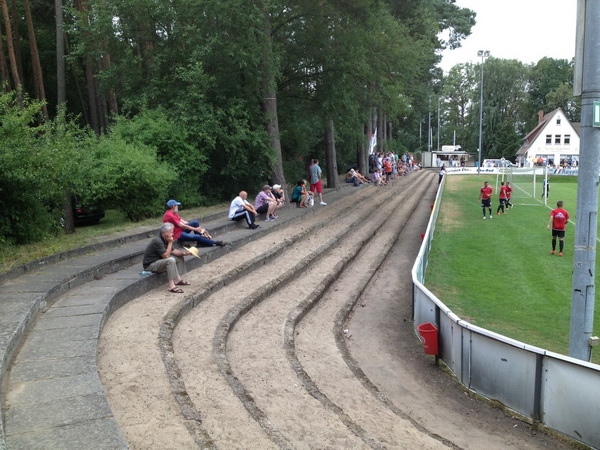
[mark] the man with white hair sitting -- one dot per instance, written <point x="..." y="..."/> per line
<point x="160" y="256"/>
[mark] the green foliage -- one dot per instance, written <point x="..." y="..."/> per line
<point x="129" y="177"/>
<point x="242" y="157"/>
<point x="505" y="142"/>
<point x="190" y="79"/>
<point x="513" y="93"/>
<point x="28" y="187"/>
<point x="39" y="164"/>
<point x="547" y="76"/>
<point x="174" y="146"/>
<point x="460" y="107"/>
<point x="562" y="97"/>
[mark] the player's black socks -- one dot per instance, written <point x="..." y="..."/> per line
<point x="561" y="245"/>
<point x="553" y="244"/>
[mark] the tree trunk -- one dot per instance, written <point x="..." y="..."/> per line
<point x="91" y="91"/>
<point x="10" y="48"/>
<point x="330" y="156"/>
<point x="269" y="92"/>
<point x="4" y="74"/>
<point x="381" y="133"/>
<point x="81" y="6"/>
<point x="16" y="37"/>
<point x="362" y="154"/>
<point x="102" y="109"/>
<point x="61" y="96"/>
<point x="80" y="94"/>
<point x="112" y="97"/>
<point x="40" y="92"/>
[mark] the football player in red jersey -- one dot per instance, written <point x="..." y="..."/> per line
<point x="558" y="221"/>
<point x="503" y="198"/>
<point x="485" y="195"/>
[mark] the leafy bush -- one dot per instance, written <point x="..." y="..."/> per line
<point x="27" y="191"/>
<point x="174" y="146"/>
<point x="130" y="178"/>
<point x="42" y="163"/>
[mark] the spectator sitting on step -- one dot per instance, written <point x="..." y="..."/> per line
<point x="187" y="231"/>
<point x="160" y="256"/>
<point x="299" y="194"/>
<point x="265" y="203"/>
<point x="377" y="179"/>
<point x="241" y="208"/>
<point x="352" y="178"/>
<point x="279" y="194"/>
<point x="361" y="178"/>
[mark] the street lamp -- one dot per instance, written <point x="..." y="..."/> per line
<point x="482" y="54"/>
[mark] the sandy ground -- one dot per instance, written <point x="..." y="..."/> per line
<point x="300" y="339"/>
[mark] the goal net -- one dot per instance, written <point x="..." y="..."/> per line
<point x="526" y="181"/>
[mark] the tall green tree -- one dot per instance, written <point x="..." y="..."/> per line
<point x="546" y="76"/>
<point x="459" y="108"/>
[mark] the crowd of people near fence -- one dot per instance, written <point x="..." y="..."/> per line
<point x="568" y="162"/>
<point x="391" y="164"/>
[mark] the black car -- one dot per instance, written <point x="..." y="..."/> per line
<point x="86" y="214"/>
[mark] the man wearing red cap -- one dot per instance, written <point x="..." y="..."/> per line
<point x="184" y="230"/>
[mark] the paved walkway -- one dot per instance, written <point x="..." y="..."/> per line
<point x="51" y="315"/>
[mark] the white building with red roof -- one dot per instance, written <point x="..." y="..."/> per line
<point x="554" y="139"/>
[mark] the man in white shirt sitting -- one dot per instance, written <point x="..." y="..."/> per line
<point x="242" y="209"/>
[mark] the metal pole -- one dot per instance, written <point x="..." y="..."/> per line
<point x="483" y="54"/>
<point x="584" y="264"/>
<point x="438" y="124"/>
<point x="429" y="134"/>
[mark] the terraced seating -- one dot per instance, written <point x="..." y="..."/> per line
<point x="53" y="394"/>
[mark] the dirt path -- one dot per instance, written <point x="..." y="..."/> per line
<point x="262" y="362"/>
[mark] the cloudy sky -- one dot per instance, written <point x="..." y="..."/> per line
<point x="526" y="30"/>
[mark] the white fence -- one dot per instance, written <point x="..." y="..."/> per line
<point x="560" y="392"/>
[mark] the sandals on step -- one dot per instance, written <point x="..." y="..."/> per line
<point x="176" y="290"/>
<point x="182" y="283"/>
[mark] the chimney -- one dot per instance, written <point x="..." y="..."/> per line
<point x="540" y="116"/>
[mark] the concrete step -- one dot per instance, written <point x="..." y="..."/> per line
<point x="32" y="289"/>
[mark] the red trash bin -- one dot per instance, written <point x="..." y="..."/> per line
<point x="429" y="338"/>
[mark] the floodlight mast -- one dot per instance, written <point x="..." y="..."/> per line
<point x="584" y="261"/>
<point x="481" y="54"/>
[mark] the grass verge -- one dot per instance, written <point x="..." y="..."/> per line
<point x="114" y="223"/>
<point x="498" y="273"/>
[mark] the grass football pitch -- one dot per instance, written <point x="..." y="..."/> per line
<point x="498" y="273"/>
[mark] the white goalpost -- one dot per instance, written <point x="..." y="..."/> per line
<point x="528" y="182"/>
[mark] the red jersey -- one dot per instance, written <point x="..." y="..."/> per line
<point x="503" y="192"/>
<point x="173" y="217"/>
<point x="387" y="167"/>
<point x="559" y="219"/>
<point x="486" y="192"/>
<point x="508" y="191"/>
